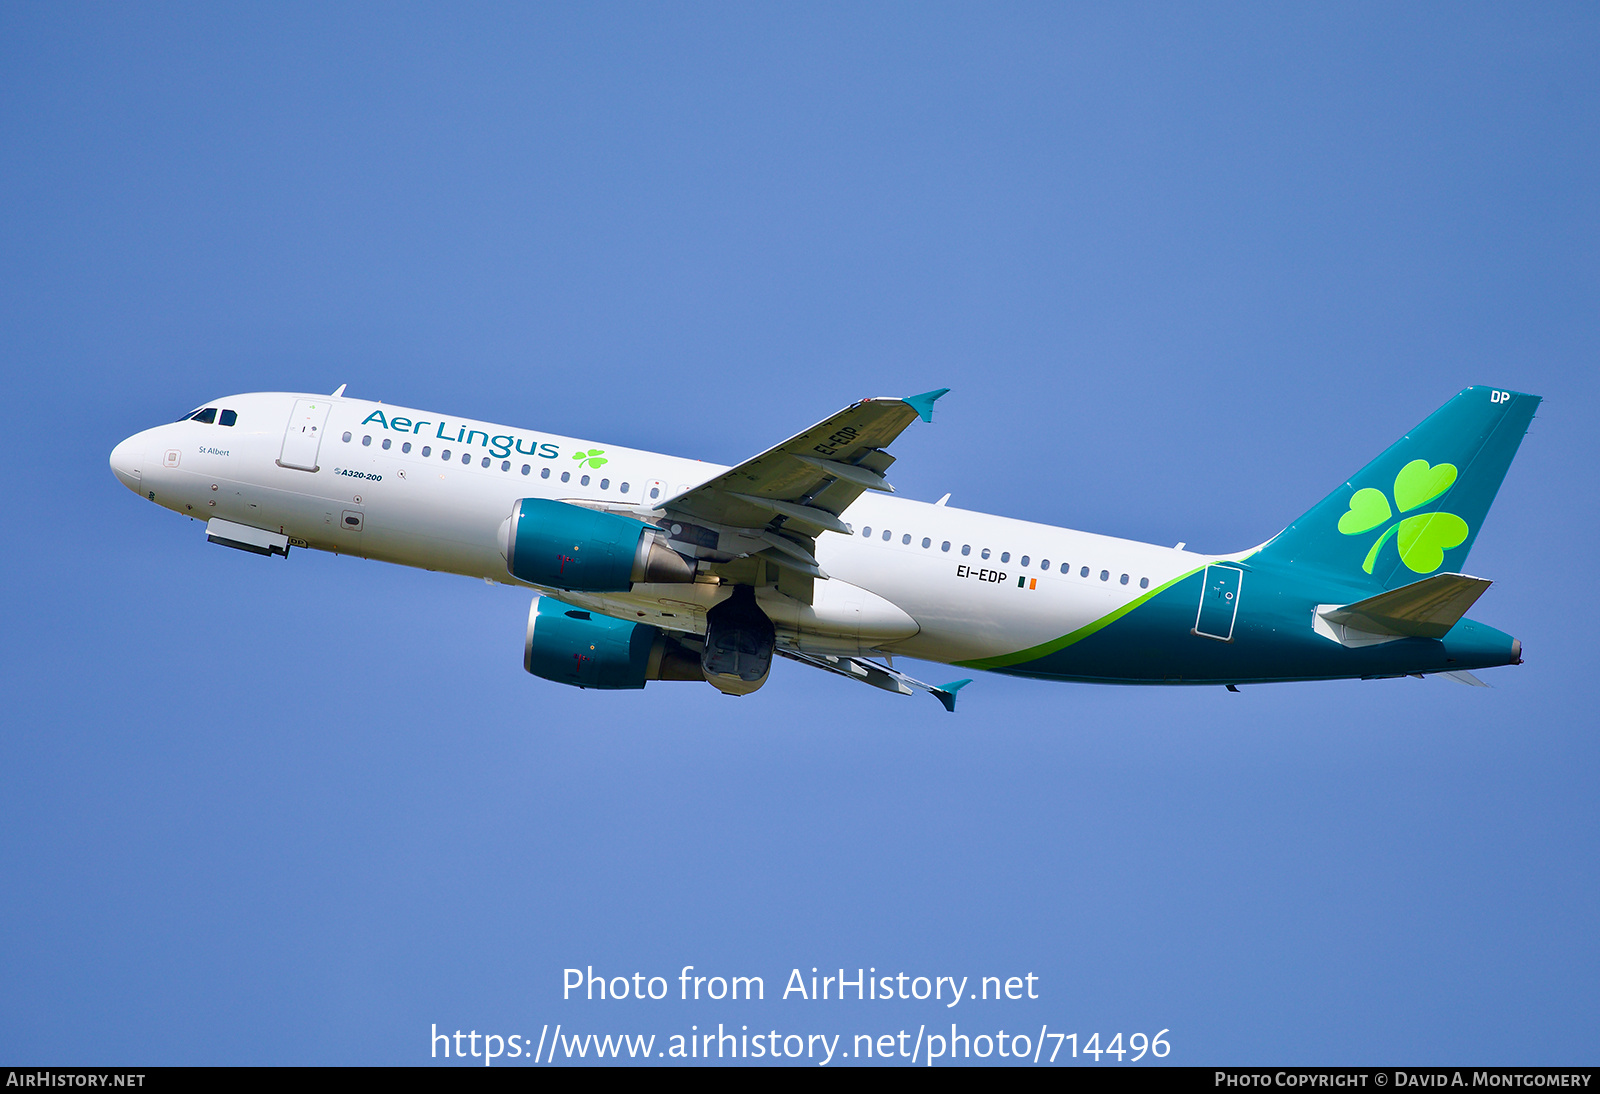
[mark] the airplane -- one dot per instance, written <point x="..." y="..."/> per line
<point x="649" y="567"/>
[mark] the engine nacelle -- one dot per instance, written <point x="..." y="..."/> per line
<point x="572" y="646"/>
<point x="565" y="546"/>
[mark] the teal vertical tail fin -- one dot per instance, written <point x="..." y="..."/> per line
<point x="1416" y="509"/>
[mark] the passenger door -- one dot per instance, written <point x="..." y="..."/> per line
<point x="302" y="438"/>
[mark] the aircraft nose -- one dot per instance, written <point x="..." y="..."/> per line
<point x="125" y="461"/>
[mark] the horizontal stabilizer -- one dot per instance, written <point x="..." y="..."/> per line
<point x="1423" y="609"/>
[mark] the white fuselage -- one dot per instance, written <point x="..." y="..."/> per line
<point x="432" y="490"/>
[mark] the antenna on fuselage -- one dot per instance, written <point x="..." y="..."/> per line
<point x="340" y="390"/>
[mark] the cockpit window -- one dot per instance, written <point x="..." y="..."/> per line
<point x="228" y="418"/>
<point x="208" y="415"/>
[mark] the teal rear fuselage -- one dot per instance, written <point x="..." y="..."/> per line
<point x="1407" y="518"/>
<point x="1272" y="639"/>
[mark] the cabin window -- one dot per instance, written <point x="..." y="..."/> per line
<point x="624" y="488"/>
<point x="966" y="548"/>
<point x="1024" y="560"/>
<point x="1044" y="564"/>
<point x="1124" y="579"/>
<point x="427" y="450"/>
<point x="208" y="416"/>
<point x="367" y="440"/>
<point x="505" y="465"/>
<point x="444" y="453"/>
<point x="1144" y="583"/>
<point x="229" y="417"/>
<point x="406" y="447"/>
<point x="867" y="531"/>
<point x="886" y="535"/>
<point x="945" y="546"/>
<point x="584" y="481"/>
<point x="985" y="553"/>
<point x="526" y="468"/>
<point x="605" y="484"/>
<point x="466" y="459"/>
<point x="655" y="492"/>
<point x="1084" y="572"/>
<point x="926" y="542"/>
<point x="544" y="472"/>
<point x="387" y="444"/>
<point x="346" y="437"/>
<point x="1005" y="556"/>
<point x="906" y="539"/>
<point x="566" y="476"/>
<point x="1105" y="575"/>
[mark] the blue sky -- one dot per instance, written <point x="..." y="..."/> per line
<point x="1184" y="268"/>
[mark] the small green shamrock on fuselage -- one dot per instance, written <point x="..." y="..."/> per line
<point x="591" y="458"/>
<point x="1422" y="539"/>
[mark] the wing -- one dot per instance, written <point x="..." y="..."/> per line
<point x="879" y="676"/>
<point x="777" y="503"/>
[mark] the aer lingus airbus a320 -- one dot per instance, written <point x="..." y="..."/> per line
<point x="653" y="567"/>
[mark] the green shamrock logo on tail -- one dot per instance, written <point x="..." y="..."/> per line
<point x="592" y="458"/>
<point x="1422" y="539"/>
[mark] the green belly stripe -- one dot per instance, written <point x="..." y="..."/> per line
<point x="1005" y="660"/>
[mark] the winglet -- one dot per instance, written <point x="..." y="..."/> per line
<point x="923" y="404"/>
<point x="946" y="693"/>
<point x="340" y="392"/>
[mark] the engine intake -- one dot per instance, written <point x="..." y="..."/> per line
<point x="565" y="546"/>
